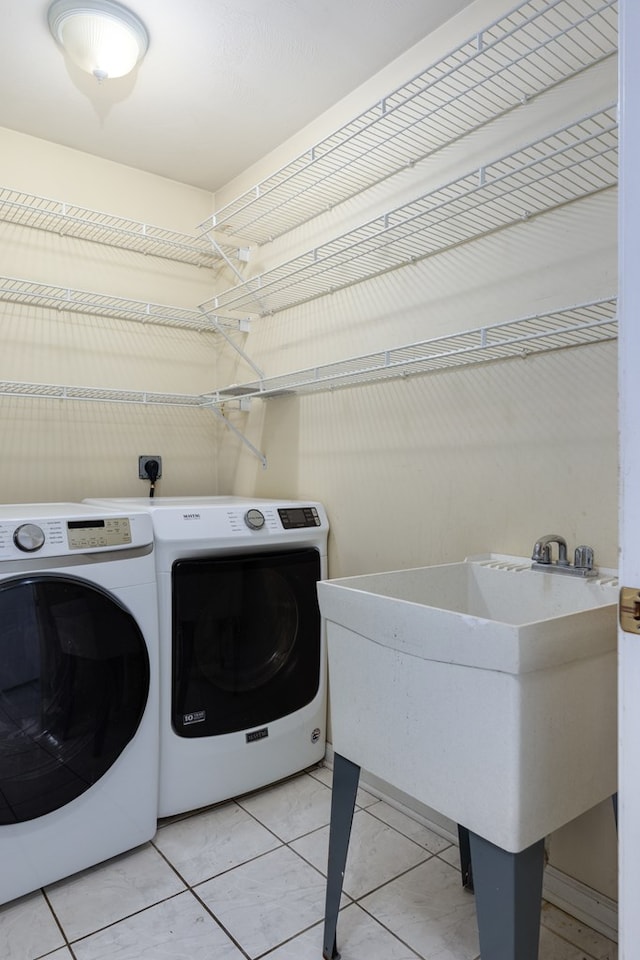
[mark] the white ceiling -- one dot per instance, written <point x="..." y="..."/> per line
<point x="223" y="82"/>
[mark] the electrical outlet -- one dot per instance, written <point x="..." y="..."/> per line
<point x="142" y="466"/>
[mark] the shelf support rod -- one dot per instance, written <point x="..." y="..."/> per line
<point x="241" y="279"/>
<point x="216" y="246"/>
<point x="254" y="450"/>
<point x="220" y="329"/>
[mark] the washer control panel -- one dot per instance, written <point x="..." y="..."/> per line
<point x="56" y="536"/>
<point x="107" y="532"/>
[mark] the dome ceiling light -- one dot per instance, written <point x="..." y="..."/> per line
<point x="100" y="36"/>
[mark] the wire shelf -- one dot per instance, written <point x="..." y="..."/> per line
<point x="44" y="295"/>
<point x="574" y="162"/>
<point x="55" y="216"/>
<point x="51" y="391"/>
<point x="536" y="46"/>
<point x="574" y="326"/>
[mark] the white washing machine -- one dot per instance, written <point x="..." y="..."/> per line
<point x="78" y="689"/>
<point x="242" y="646"/>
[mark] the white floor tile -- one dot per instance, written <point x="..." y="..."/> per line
<point x="451" y="855"/>
<point x="213" y="841"/>
<point x="377" y="854"/>
<point x="428" y="909"/>
<point x="111" y="891"/>
<point x="292" y="808"/>
<point x="28" y="928"/>
<point x="325" y="775"/>
<point x="178" y="929"/>
<point x="360" y="938"/>
<point x="321" y="773"/>
<point x="267" y="901"/>
<point x="365" y="799"/>
<point x="409" y="828"/>
<point x="553" y="947"/>
<point x="266" y="897"/>
<point x="587" y="940"/>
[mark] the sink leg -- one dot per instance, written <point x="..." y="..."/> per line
<point x="343" y="800"/>
<point x="466" y="871"/>
<point x="508" y="890"/>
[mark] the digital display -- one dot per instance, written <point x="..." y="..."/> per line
<point x="295" y="517"/>
<point x="84" y="524"/>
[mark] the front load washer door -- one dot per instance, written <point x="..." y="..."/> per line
<point x="246" y="640"/>
<point x="74" y="682"/>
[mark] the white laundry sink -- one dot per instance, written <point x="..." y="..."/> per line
<point x="484" y="689"/>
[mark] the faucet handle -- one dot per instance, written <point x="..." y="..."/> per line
<point x="541" y="552"/>
<point x="583" y="558"/>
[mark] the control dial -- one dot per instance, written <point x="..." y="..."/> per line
<point x="254" y="519"/>
<point x="28" y="537"/>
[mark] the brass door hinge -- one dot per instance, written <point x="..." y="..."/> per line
<point x="630" y="609"/>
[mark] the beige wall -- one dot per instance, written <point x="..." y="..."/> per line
<point x="67" y="450"/>
<point x="430" y="469"/>
<point x="414" y="471"/>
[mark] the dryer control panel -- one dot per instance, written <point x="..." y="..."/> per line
<point x="292" y="518"/>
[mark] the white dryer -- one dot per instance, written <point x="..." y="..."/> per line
<point x="242" y="646"/>
<point x="78" y="689"/>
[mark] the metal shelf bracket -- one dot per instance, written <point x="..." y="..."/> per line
<point x="243" y="326"/>
<point x="254" y="450"/>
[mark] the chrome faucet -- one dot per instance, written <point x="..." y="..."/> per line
<point x="583" y="557"/>
<point x="542" y="549"/>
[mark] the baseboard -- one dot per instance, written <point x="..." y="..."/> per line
<point x="575" y="898"/>
<point x="581" y="902"/>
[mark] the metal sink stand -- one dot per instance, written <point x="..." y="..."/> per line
<point x="508" y="886"/>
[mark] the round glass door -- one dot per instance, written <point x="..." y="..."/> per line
<point x="246" y="640"/>
<point x="74" y="682"/>
<point x="239" y="654"/>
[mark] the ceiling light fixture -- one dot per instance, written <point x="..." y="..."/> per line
<point x="100" y="36"/>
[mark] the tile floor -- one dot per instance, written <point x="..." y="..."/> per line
<point x="245" y="880"/>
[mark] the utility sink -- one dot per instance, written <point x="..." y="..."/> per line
<point x="484" y="689"/>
